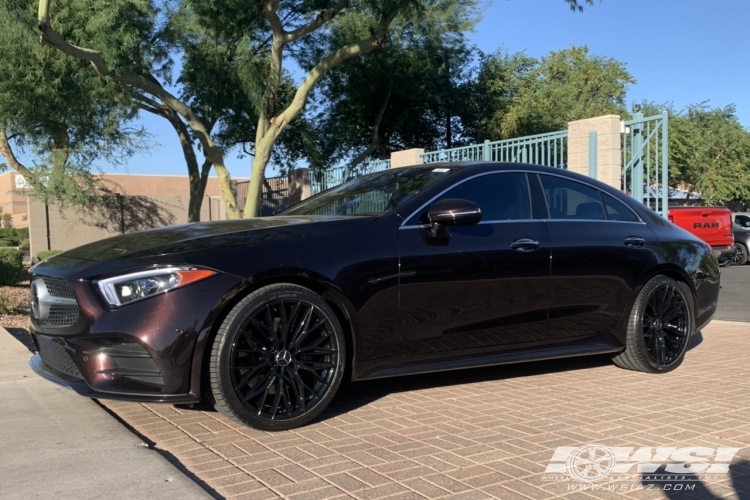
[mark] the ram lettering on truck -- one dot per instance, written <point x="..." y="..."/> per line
<point x="711" y="224"/>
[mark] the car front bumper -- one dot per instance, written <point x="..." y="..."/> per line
<point x="148" y="351"/>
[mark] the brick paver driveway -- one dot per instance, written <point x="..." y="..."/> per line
<point x="477" y="434"/>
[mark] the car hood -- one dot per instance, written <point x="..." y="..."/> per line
<point x="164" y="245"/>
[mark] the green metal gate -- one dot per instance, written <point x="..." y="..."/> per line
<point x="645" y="160"/>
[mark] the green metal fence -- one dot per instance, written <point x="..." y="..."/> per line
<point x="326" y="179"/>
<point x="645" y="160"/>
<point x="542" y="149"/>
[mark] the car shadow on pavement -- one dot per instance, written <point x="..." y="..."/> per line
<point x="357" y="394"/>
<point x="353" y="395"/>
<point x="694" y="488"/>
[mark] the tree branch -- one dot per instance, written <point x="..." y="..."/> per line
<point x="337" y="57"/>
<point x="48" y="36"/>
<point x="7" y="151"/>
<point x="316" y="23"/>
<point x="375" y="132"/>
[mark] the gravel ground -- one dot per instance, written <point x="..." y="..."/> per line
<point x="17" y="323"/>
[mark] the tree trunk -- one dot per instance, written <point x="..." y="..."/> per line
<point x="268" y="130"/>
<point x="48" y="36"/>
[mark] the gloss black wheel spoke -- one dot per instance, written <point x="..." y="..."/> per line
<point x="284" y="359"/>
<point x="250" y="373"/>
<point x="665" y="325"/>
<point x="261" y="386"/>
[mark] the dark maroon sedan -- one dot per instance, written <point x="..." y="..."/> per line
<point x="405" y="271"/>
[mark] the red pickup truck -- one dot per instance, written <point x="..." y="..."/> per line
<point x="711" y="224"/>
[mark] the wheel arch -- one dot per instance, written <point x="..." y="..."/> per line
<point x="337" y="302"/>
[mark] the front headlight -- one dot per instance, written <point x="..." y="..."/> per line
<point x="121" y="290"/>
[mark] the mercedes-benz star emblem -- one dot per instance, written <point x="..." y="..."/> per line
<point x="283" y="358"/>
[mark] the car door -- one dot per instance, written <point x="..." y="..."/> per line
<point x="485" y="286"/>
<point x="600" y="249"/>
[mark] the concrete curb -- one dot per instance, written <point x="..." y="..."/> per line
<point x="56" y="444"/>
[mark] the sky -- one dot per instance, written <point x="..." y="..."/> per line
<point x="679" y="51"/>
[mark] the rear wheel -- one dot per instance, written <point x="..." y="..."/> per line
<point x="740" y="258"/>
<point x="659" y="328"/>
<point x="277" y="359"/>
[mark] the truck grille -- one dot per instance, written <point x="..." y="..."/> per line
<point x="56" y="357"/>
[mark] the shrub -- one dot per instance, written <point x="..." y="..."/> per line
<point x="6" y="307"/>
<point x="25" y="245"/>
<point x="15" y="234"/>
<point x="5" y="242"/>
<point x="11" y="266"/>
<point x="46" y="254"/>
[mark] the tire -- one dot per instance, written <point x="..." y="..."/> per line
<point x="740" y="258"/>
<point x="277" y="359"/>
<point x="659" y="328"/>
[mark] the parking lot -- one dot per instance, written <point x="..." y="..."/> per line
<point x="483" y="433"/>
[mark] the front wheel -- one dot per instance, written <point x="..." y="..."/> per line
<point x="277" y="358"/>
<point x="740" y="257"/>
<point x="659" y="327"/>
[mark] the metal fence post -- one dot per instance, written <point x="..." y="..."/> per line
<point x="487" y="151"/>
<point x="592" y="154"/>
<point x="637" y="169"/>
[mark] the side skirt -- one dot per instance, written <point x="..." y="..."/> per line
<point x="474" y="358"/>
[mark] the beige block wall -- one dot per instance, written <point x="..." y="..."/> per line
<point x="406" y="158"/>
<point x="609" y="153"/>
<point x="72" y="227"/>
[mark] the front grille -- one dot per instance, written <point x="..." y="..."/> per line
<point x="62" y="315"/>
<point x="56" y="306"/>
<point x="58" y="288"/>
<point x="56" y="357"/>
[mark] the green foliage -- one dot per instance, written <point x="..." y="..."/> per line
<point x="46" y="254"/>
<point x="14" y="234"/>
<point x="25" y="245"/>
<point x="11" y="266"/>
<point x="368" y="105"/>
<point x="709" y="151"/>
<point x="54" y="107"/>
<point x="515" y="95"/>
<point x="6" y="242"/>
<point x="6" y="306"/>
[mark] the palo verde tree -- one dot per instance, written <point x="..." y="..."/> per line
<point x="305" y="19"/>
<point x="403" y="95"/>
<point x="54" y="110"/>
<point x="128" y="43"/>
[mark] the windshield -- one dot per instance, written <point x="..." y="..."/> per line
<point x="373" y="194"/>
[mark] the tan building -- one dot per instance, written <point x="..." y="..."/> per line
<point x="130" y="203"/>
<point x="11" y="201"/>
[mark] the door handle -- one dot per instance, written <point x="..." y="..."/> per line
<point x="525" y="245"/>
<point x="634" y="241"/>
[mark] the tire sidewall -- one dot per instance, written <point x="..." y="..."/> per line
<point x="640" y="306"/>
<point x="224" y="343"/>
<point x="741" y="247"/>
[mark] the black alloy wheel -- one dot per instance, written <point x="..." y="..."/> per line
<point x="278" y="358"/>
<point x="740" y="257"/>
<point x="665" y="324"/>
<point x="661" y="323"/>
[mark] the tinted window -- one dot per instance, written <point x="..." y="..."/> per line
<point x="617" y="210"/>
<point x="373" y="194"/>
<point x="571" y="200"/>
<point x="499" y="196"/>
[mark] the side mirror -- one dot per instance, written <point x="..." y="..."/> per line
<point x="454" y="212"/>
